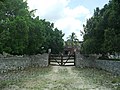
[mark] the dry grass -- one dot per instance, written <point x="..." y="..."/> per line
<point x="59" y="78"/>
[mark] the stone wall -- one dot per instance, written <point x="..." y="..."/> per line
<point x="39" y="60"/>
<point x="111" y="66"/>
<point x="82" y="61"/>
<point x="16" y="63"/>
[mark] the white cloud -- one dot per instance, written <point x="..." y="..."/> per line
<point x="76" y="12"/>
<point x="50" y="10"/>
<point x="58" y="11"/>
<point x="69" y="25"/>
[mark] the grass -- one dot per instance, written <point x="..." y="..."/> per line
<point x="59" y="78"/>
<point x="18" y="77"/>
<point x="100" y="77"/>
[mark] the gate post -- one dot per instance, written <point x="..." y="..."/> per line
<point x="49" y="52"/>
<point x="49" y="59"/>
<point x="61" y="59"/>
<point x="74" y="57"/>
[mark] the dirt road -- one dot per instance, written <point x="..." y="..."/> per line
<point x="59" y="78"/>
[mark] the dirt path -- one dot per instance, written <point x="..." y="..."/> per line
<point x="61" y="78"/>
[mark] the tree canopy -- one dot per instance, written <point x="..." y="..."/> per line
<point x="22" y="33"/>
<point x="102" y="30"/>
<point x="72" y="40"/>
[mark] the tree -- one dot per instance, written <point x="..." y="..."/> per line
<point x="103" y="30"/>
<point x="22" y="33"/>
<point x="54" y="37"/>
<point x="93" y="34"/>
<point x="72" y="39"/>
<point x="56" y="43"/>
<point x="13" y="29"/>
<point x="35" y="36"/>
<point x="19" y="35"/>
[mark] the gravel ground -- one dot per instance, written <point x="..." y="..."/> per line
<point x="59" y="78"/>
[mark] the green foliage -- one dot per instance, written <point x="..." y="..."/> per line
<point x="102" y="31"/>
<point x="20" y="33"/>
<point x="72" y="40"/>
<point x="57" y="41"/>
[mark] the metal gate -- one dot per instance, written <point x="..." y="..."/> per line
<point x="62" y="60"/>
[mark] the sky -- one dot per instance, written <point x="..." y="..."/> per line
<point x="67" y="15"/>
